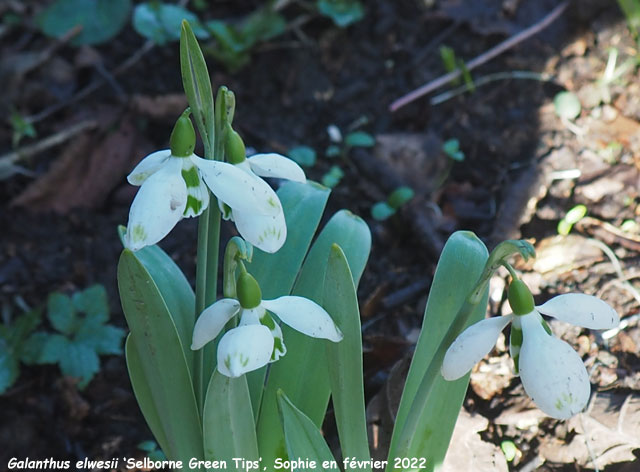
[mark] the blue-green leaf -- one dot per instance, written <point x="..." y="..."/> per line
<point x="302" y="437"/>
<point x="158" y="368"/>
<point x="228" y="425"/>
<point x="303" y="372"/>
<point x="101" y="20"/>
<point x="93" y="302"/>
<point x="460" y="266"/>
<point x="161" y="22"/>
<point x="345" y="358"/>
<point x="61" y="313"/>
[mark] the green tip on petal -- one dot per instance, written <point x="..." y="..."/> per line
<point x="248" y="291"/>
<point x="234" y="146"/>
<point x="520" y="298"/>
<point x="183" y="137"/>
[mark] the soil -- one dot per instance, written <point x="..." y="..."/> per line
<point x="523" y="169"/>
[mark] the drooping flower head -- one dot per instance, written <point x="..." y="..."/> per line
<point x="552" y="373"/>
<point x="175" y="183"/>
<point x="257" y="340"/>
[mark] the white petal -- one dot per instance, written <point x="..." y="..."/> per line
<point x="305" y="316"/>
<point x="157" y="207"/>
<point x="471" y="346"/>
<point x="249" y="316"/>
<point x="581" y="310"/>
<point x="212" y="320"/>
<point x="244" y="349"/>
<point x="240" y="190"/>
<point x="552" y="373"/>
<point x="267" y="233"/>
<point x="279" y="349"/>
<point x="148" y="166"/>
<point x="275" y="165"/>
<point x="198" y="198"/>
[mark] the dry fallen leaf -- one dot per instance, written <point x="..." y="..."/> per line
<point x="86" y="171"/>
<point x="607" y="433"/>
<point x="467" y="450"/>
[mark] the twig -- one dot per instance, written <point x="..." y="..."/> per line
<point x="481" y="59"/>
<point x="53" y="140"/>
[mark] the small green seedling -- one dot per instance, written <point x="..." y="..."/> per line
<point x="303" y="155"/>
<point x="571" y="218"/>
<point x="333" y="177"/>
<point x="384" y="210"/>
<point x="509" y="449"/>
<point x="452" y="63"/>
<point x="82" y="334"/>
<point x="153" y="451"/>
<point x="21" y="128"/>
<point x="359" y="139"/>
<point x="342" y="12"/>
<point x="567" y="105"/>
<point x="451" y="148"/>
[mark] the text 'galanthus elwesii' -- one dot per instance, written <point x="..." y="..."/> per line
<point x="552" y="373"/>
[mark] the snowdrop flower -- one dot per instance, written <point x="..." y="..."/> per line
<point x="258" y="338"/>
<point x="552" y="373"/>
<point x="266" y="231"/>
<point x="175" y="183"/>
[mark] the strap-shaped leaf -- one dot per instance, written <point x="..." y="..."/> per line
<point x="228" y="426"/>
<point x="345" y="358"/>
<point x="159" y="362"/>
<point x="303" y="439"/>
<point x="197" y="85"/>
<point x="303" y="205"/>
<point x="459" y="268"/>
<point x="176" y="293"/>
<point x="302" y="373"/>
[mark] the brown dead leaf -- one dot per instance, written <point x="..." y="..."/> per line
<point x="467" y="450"/>
<point x="606" y="434"/>
<point x="88" y="169"/>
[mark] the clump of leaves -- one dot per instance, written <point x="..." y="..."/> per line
<point x="235" y="41"/>
<point x="384" y="210"/>
<point x="81" y="335"/>
<point x="342" y="12"/>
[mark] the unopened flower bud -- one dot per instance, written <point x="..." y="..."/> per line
<point x="183" y="137"/>
<point x="234" y="146"/>
<point x="248" y="291"/>
<point x="520" y="298"/>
